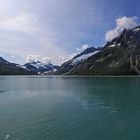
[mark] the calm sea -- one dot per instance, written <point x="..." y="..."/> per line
<point x="69" y="108"/>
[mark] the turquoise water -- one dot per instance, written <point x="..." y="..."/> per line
<point x="69" y="108"/>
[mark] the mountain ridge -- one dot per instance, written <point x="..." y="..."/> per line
<point x="41" y="68"/>
<point x="7" y="68"/>
<point x="33" y="68"/>
<point x="121" y="56"/>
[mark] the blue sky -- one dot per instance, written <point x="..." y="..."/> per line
<point x="55" y="30"/>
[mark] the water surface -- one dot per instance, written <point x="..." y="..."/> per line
<point x="69" y="108"/>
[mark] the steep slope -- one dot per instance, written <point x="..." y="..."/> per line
<point x="121" y="56"/>
<point x="7" y="68"/>
<point x="68" y="66"/>
<point x="86" y="51"/>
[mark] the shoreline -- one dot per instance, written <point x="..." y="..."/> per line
<point x="71" y="76"/>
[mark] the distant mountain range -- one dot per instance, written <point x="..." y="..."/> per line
<point x="121" y="56"/>
<point x="33" y="68"/>
<point x="40" y="68"/>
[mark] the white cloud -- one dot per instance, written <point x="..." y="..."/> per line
<point x="32" y="58"/>
<point x="15" y="16"/>
<point x="35" y="58"/>
<point x="82" y="48"/>
<point x="121" y="23"/>
<point x="29" y="27"/>
<point x="13" y="56"/>
<point x="22" y="22"/>
<point x="46" y="60"/>
<point x="63" y="59"/>
<point x="79" y="50"/>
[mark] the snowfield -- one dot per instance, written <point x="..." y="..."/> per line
<point x="83" y="57"/>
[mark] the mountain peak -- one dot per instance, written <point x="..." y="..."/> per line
<point x="86" y="51"/>
<point x="127" y="38"/>
<point x="121" y="56"/>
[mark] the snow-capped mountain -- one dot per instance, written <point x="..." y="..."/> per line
<point x="126" y="38"/>
<point x="40" y="68"/>
<point x="86" y="51"/>
<point x="8" y="68"/>
<point x="78" y="59"/>
<point x="83" y="57"/>
<point x="121" y="56"/>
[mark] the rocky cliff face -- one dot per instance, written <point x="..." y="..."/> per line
<point x="121" y="56"/>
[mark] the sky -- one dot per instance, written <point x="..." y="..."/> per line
<point x="56" y="30"/>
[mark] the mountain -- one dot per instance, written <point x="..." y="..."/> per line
<point x="86" y="51"/>
<point x="40" y="68"/>
<point x="121" y="56"/>
<point x="68" y="66"/>
<point x="7" y="68"/>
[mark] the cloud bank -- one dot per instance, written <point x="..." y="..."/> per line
<point x="35" y="58"/>
<point x="52" y="28"/>
<point x="121" y="23"/>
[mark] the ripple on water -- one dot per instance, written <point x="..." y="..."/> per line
<point x="7" y="137"/>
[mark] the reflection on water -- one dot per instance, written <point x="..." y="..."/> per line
<point x="40" y="108"/>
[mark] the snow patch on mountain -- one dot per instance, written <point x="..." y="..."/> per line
<point x="137" y="29"/>
<point x="113" y="45"/>
<point x="83" y="57"/>
<point x="39" y="67"/>
<point x="21" y="66"/>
